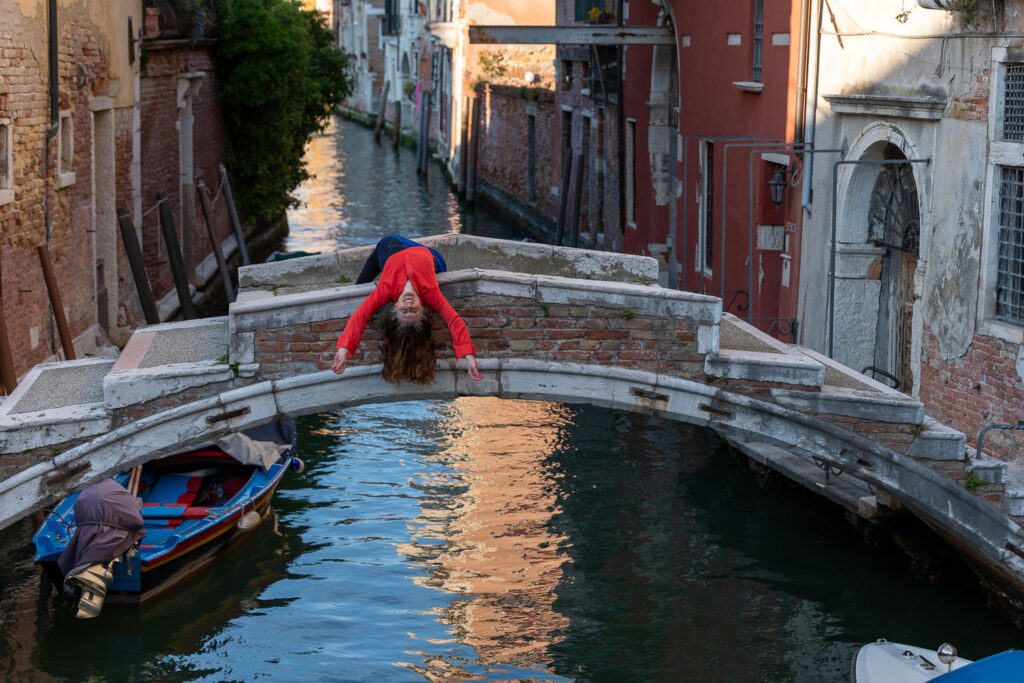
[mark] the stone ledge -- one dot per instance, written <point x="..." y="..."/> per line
<point x="131" y="387"/>
<point x="937" y="442"/>
<point x="47" y="428"/>
<point x="764" y="367"/>
<point x="851" y="404"/>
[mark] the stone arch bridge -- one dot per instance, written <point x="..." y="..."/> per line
<point x="549" y="323"/>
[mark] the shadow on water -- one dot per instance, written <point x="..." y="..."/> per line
<point x="683" y="568"/>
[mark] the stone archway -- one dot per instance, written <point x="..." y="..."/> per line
<point x="880" y="233"/>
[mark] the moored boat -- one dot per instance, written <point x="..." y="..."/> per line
<point x="885" y="662"/>
<point x="194" y="506"/>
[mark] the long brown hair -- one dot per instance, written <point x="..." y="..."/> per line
<point x="407" y="351"/>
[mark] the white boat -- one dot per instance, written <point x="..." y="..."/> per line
<point x="885" y="662"/>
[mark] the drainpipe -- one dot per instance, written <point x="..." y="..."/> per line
<point x="621" y="142"/>
<point x="811" y="111"/>
<point x="801" y="70"/>
<point x="51" y="37"/>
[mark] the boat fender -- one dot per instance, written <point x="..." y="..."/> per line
<point x="249" y="521"/>
<point x="297" y="465"/>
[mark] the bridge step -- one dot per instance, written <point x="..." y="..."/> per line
<point x="764" y="367"/>
<point x="937" y="442"/>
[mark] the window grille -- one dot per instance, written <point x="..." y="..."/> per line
<point x="1013" y="102"/>
<point x="758" y="37"/>
<point x="1010" y="275"/>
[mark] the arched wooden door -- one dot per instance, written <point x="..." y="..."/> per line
<point x="895" y="223"/>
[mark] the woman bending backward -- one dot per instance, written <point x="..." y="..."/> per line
<point x="407" y="278"/>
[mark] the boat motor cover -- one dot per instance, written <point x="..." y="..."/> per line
<point x="108" y="521"/>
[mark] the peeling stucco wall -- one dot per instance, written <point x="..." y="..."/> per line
<point x="950" y="296"/>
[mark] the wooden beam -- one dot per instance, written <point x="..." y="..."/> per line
<point x="571" y="35"/>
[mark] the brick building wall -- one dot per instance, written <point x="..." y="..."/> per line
<point x="160" y="162"/>
<point x="24" y="101"/>
<point x="503" y="158"/>
<point x="980" y="388"/>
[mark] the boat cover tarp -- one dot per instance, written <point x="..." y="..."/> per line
<point x="107" y="522"/>
<point x="1005" y="667"/>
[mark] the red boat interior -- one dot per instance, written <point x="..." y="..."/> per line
<point x="179" y="489"/>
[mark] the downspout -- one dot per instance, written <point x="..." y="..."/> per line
<point x="801" y="69"/>
<point x="812" y="105"/>
<point x="51" y="37"/>
<point x="621" y="142"/>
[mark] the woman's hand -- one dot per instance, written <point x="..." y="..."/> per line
<point x="474" y="373"/>
<point x="340" y="358"/>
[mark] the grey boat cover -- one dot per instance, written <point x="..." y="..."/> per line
<point x="108" y="521"/>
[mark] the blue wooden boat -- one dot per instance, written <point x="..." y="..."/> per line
<point x="195" y="505"/>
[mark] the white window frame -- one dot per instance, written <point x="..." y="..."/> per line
<point x="65" y="156"/>
<point x="7" y="178"/>
<point x="1001" y="154"/>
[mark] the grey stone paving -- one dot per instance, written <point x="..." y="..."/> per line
<point x="188" y="345"/>
<point x="59" y="387"/>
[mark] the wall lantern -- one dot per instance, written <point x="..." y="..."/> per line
<point x="777" y="185"/>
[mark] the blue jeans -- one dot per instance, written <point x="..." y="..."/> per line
<point x="388" y="246"/>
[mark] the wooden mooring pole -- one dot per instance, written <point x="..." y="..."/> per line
<point x="66" y="343"/>
<point x="174" y="257"/>
<point x="236" y="224"/>
<point x="10" y="380"/>
<point x="381" y="110"/>
<point x="218" y="253"/>
<point x="474" y="138"/>
<point x="563" y="195"/>
<point x="396" y="131"/>
<point x="134" y="252"/>
<point x="577" y="200"/>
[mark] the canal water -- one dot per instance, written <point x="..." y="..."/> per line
<point x="486" y="540"/>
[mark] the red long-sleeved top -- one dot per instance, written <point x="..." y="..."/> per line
<point x="417" y="265"/>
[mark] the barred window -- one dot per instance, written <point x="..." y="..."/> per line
<point x="1013" y="102"/>
<point x="1010" y="274"/>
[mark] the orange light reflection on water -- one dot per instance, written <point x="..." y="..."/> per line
<point x="497" y="552"/>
